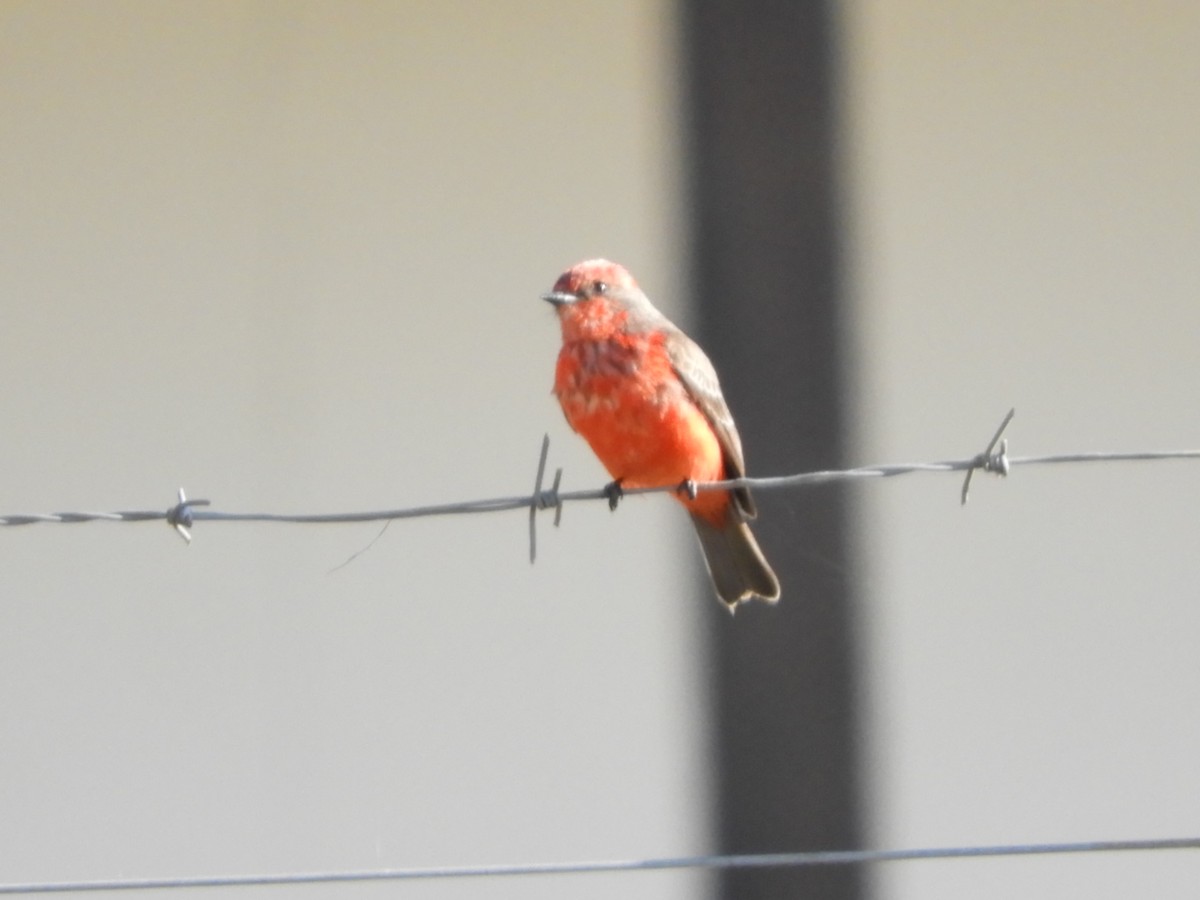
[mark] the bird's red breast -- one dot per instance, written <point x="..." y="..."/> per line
<point x="619" y="390"/>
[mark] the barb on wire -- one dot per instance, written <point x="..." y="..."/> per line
<point x="181" y="516"/>
<point x="543" y="499"/>
<point x="728" y="861"/>
<point x="995" y="459"/>
<point x="989" y="462"/>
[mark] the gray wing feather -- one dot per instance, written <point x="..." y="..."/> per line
<point x="700" y="379"/>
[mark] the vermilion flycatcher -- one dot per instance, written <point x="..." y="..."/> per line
<point x="646" y="398"/>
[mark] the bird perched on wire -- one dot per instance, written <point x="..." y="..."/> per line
<point x="647" y="400"/>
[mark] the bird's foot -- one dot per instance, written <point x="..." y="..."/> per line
<point x="687" y="486"/>
<point x="614" y="493"/>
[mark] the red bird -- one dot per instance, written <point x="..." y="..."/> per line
<point x="647" y="400"/>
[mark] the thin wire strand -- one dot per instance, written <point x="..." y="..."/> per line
<point x="728" y="861"/>
<point x="187" y="512"/>
<point x="553" y="499"/>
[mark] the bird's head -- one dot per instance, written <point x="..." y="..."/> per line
<point x="596" y="298"/>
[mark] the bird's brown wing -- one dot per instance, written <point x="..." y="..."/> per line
<point x="700" y="380"/>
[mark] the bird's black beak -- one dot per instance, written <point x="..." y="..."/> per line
<point x="559" y="298"/>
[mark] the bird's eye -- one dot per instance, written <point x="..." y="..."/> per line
<point x="600" y="287"/>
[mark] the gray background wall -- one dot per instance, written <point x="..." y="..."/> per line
<point x="1026" y="210"/>
<point x="287" y="255"/>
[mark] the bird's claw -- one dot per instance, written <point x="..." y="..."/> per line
<point x="687" y="486"/>
<point x="614" y="493"/>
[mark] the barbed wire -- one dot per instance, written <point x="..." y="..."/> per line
<point x="803" y="859"/>
<point x="994" y="459"/>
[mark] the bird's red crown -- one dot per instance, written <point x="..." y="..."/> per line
<point x="581" y="276"/>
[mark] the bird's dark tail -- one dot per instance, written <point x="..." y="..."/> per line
<point x="737" y="565"/>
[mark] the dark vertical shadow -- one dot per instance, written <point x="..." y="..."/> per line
<point x="764" y="259"/>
